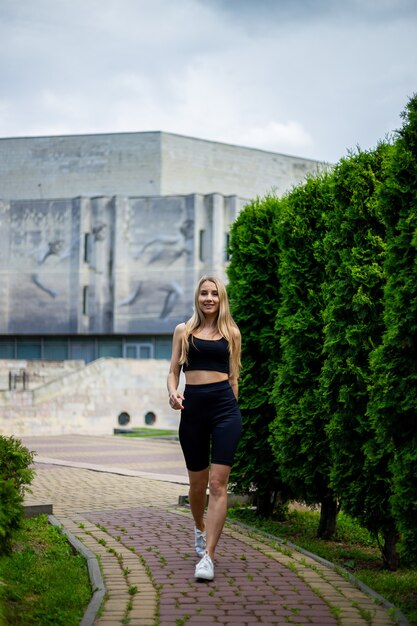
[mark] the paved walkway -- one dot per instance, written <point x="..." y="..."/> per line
<point x="120" y="497"/>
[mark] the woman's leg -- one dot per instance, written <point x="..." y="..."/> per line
<point x="217" y="507"/>
<point x="197" y="495"/>
<point x="226" y="432"/>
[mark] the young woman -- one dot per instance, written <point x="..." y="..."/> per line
<point x="207" y="347"/>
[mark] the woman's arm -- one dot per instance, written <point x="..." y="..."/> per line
<point x="234" y="385"/>
<point x="175" y="397"/>
<point x="234" y="375"/>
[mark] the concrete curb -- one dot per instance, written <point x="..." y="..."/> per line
<point x="168" y="478"/>
<point x="32" y="510"/>
<point x="399" y="617"/>
<point x="96" y="580"/>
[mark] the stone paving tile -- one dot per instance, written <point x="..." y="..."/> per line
<point x="73" y="490"/>
<point x="144" y="541"/>
<point x="146" y="455"/>
<point x="248" y="585"/>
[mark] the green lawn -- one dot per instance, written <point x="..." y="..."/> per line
<point x="43" y="582"/>
<point x="149" y="432"/>
<point x="354" y="549"/>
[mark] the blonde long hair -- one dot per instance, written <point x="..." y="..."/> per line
<point x="225" y="324"/>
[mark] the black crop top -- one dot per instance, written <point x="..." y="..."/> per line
<point x="207" y="354"/>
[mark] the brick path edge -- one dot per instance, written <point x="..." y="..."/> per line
<point x="399" y="617"/>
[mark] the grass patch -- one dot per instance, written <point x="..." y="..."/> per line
<point x="43" y="582"/>
<point x="149" y="432"/>
<point x="354" y="549"/>
<point x="399" y="587"/>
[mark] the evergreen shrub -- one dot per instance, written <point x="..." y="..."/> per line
<point x="393" y="404"/>
<point x="354" y="248"/>
<point x="298" y="436"/>
<point x="254" y="298"/>
<point x="15" y="476"/>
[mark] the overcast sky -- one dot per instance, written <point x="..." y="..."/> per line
<point x="312" y="78"/>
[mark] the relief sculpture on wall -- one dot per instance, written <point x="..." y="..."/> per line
<point x="136" y="266"/>
<point x="160" y="262"/>
<point x="42" y="240"/>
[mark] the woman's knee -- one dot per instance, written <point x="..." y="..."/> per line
<point x="217" y="486"/>
<point x="198" y="481"/>
<point x="198" y="489"/>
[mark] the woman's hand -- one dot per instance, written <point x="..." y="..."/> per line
<point x="175" y="400"/>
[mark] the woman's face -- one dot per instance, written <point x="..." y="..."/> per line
<point x="208" y="298"/>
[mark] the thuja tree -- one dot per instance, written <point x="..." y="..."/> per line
<point x="393" y="405"/>
<point x="298" y="434"/>
<point x="354" y="248"/>
<point x="254" y="295"/>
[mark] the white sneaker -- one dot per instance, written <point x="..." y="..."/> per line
<point x="204" y="568"/>
<point x="200" y="542"/>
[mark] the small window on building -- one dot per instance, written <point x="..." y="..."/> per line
<point x="82" y="349"/>
<point x="138" y="351"/>
<point x="7" y="350"/>
<point x="110" y="348"/>
<point x="150" y="418"/>
<point x="29" y="349"/>
<point x="87" y="248"/>
<point x="85" y="300"/>
<point x="145" y="351"/>
<point x="55" y="349"/>
<point x="124" y="418"/>
<point x="163" y="347"/>
<point x="201" y="245"/>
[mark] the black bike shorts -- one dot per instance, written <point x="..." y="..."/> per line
<point x="210" y="418"/>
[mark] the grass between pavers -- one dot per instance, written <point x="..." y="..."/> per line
<point x="354" y="549"/>
<point x="43" y="583"/>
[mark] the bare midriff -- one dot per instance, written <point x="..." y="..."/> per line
<point x="204" y="377"/>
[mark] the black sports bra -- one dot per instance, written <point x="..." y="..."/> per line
<point x="207" y="354"/>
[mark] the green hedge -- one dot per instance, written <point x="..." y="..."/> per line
<point x="254" y="293"/>
<point x="393" y="406"/>
<point x="324" y="288"/>
<point x="298" y="436"/>
<point x="353" y="325"/>
<point x="15" y="476"/>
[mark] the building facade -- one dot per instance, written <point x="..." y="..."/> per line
<point x="102" y="240"/>
<point x="103" y="237"/>
<point x="141" y="164"/>
<point x="84" y="278"/>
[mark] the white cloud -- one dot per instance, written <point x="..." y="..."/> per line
<point x="282" y="137"/>
<point x="312" y="78"/>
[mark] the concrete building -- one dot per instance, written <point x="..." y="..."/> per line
<point x="141" y="164"/>
<point x="102" y="239"/>
<point x="106" y="276"/>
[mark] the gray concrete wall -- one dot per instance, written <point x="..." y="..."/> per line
<point x="108" y="264"/>
<point x="80" y="165"/>
<point x="190" y="165"/>
<point x="141" y="164"/>
<point x="38" y="373"/>
<point x="90" y="399"/>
